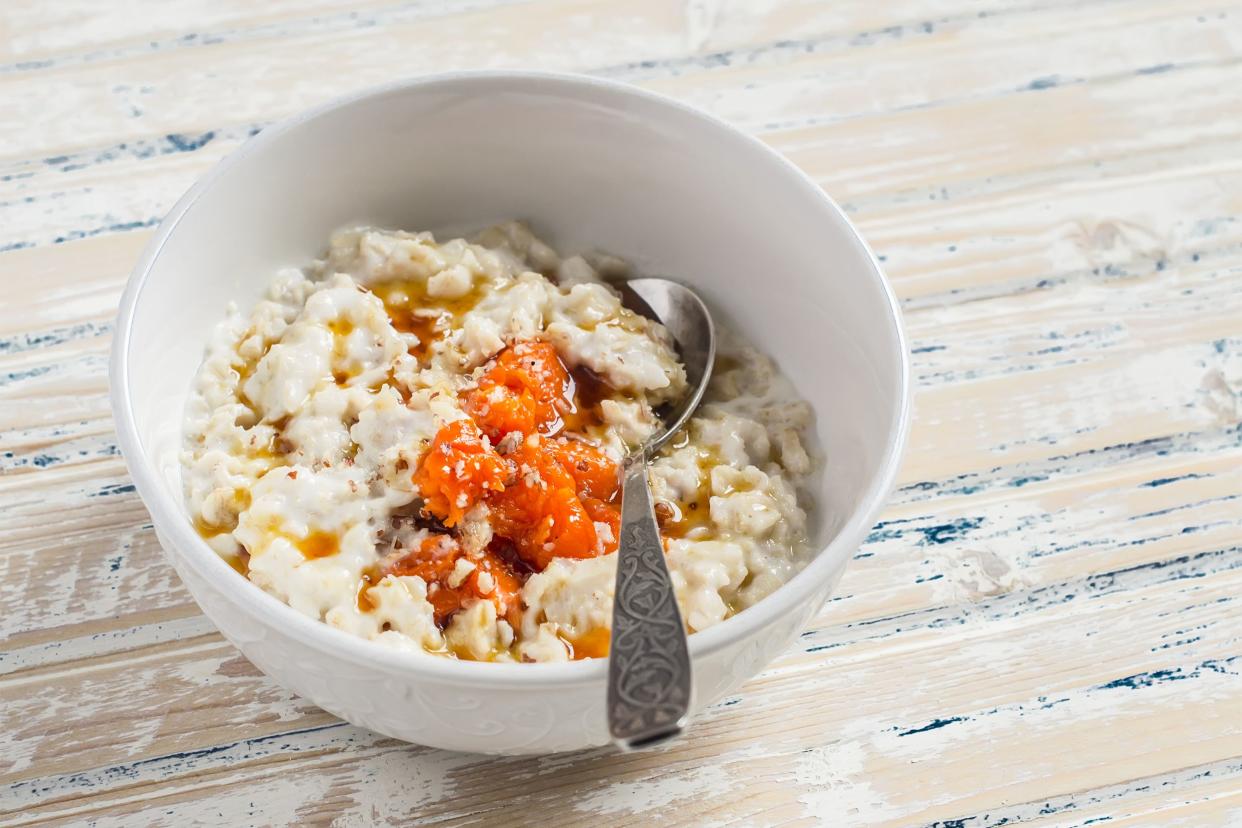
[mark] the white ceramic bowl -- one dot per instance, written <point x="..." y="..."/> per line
<point x="588" y="164"/>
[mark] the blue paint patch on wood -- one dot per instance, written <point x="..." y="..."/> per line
<point x="1164" y="481"/>
<point x="180" y="142"/>
<point x="318" y="24"/>
<point x="32" y="340"/>
<point x="1135" y="682"/>
<point x="934" y="724"/>
<point x="25" y="374"/>
<point x="1222" y="666"/>
<point x="171" y="144"/>
<point x="115" y="227"/>
<point x="1140" y="268"/>
<point x="1064" y="806"/>
<point x="114" y="489"/>
<point x="1046" y="82"/>
<point x="935" y="535"/>
<point x="45" y="459"/>
<point x="949" y="532"/>
<point x="1023" y="602"/>
<point x="1170" y="510"/>
<point x="1209" y="441"/>
<point x="775" y="52"/>
<point x="172" y="764"/>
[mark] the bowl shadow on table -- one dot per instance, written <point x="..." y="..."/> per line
<point x="603" y="779"/>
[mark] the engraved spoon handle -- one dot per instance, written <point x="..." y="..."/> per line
<point x="649" y="663"/>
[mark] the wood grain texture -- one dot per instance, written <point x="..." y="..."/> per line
<point x="1042" y="630"/>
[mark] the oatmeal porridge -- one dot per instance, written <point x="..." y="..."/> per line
<point x="418" y="442"/>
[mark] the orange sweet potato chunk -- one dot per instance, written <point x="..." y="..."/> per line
<point x="491" y="579"/>
<point x="595" y="472"/>
<point x="523" y="389"/>
<point x="458" y="470"/>
<point x="544" y="513"/>
<point x="546" y="494"/>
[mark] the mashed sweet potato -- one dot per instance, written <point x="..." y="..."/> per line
<point x="549" y="494"/>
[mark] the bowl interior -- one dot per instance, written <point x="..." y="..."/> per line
<point x="588" y="165"/>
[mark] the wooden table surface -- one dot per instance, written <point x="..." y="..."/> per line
<point x="1044" y="629"/>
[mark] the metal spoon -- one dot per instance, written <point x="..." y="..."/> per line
<point x="648" y="660"/>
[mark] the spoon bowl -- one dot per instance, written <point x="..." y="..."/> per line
<point x="687" y="318"/>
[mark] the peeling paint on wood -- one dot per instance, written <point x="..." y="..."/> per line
<point x="1043" y="627"/>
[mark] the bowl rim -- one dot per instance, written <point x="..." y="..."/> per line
<point x="190" y="549"/>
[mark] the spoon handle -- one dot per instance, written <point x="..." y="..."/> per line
<point x="648" y="661"/>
